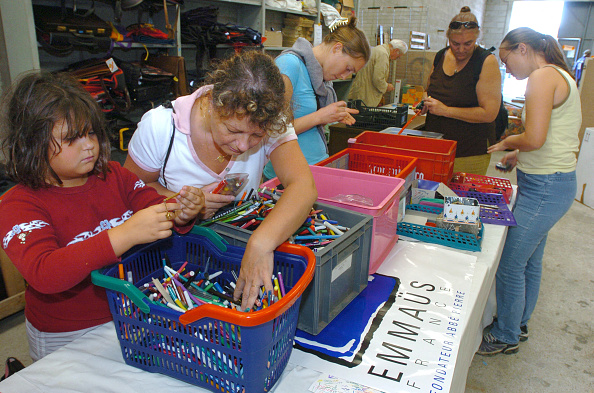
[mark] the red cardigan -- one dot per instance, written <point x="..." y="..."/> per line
<point x="56" y="236"/>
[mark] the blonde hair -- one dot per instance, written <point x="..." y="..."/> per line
<point x="353" y="40"/>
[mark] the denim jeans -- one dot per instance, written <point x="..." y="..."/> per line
<point x="541" y="201"/>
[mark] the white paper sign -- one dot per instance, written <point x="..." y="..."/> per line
<point x="414" y="346"/>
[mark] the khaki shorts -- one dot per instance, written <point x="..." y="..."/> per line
<point x="477" y="165"/>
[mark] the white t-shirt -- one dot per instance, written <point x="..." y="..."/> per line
<point x="149" y="144"/>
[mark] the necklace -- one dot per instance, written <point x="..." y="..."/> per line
<point x="222" y="157"/>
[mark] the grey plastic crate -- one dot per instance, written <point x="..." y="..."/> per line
<point x="342" y="267"/>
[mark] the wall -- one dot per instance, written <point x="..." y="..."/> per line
<point x="19" y="39"/>
<point x="496" y="22"/>
<point x="439" y="14"/>
<point x="578" y="22"/>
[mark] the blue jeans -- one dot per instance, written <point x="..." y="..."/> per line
<point x="542" y="200"/>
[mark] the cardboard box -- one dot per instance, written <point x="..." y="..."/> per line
<point x="583" y="170"/>
<point x="273" y="38"/>
<point x="461" y="210"/>
<point x="414" y="67"/>
<point x="347" y="12"/>
<point x="587" y="96"/>
<point x="412" y="94"/>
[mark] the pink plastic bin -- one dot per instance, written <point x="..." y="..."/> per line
<point x="383" y="190"/>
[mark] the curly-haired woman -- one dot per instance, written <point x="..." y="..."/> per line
<point x="234" y="124"/>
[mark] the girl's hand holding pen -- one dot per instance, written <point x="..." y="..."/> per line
<point x="191" y="202"/>
<point x="144" y="226"/>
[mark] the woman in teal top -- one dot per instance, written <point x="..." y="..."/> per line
<point x="308" y="73"/>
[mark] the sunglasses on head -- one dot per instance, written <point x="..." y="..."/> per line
<point x="469" y="25"/>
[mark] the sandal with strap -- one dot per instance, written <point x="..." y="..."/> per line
<point x="13" y="365"/>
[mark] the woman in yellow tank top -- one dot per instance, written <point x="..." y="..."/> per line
<point x="545" y="158"/>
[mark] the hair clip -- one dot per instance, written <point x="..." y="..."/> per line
<point x="337" y="23"/>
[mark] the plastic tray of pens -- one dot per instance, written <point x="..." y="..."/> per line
<point x="342" y="262"/>
<point x="485" y="184"/>
<point x="432" y="234"/>
<point x="493" y="207"/>
<point x="209" y="345"/>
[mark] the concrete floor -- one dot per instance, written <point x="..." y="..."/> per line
<point x="558" y="355"/>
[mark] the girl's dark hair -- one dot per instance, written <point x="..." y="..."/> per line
<point x="250" y="84"/>
<point x="464" y="16"/>
<point x="543" y="44"/>
<point x="30" y="110"/>
<point x="353" y="40"/>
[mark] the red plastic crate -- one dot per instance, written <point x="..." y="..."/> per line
<point x="493" y="185"/>
<point x="435" y="156"/>
<point x="373" y="162"/>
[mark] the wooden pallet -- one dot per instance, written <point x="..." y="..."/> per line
<point x="15" y="287"/>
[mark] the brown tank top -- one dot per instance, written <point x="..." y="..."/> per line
<point x="459" y="90"/>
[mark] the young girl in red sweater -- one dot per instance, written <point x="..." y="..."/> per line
<point x="72" y="210"/>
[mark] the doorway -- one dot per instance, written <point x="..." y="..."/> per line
<point x="542" y="16"/>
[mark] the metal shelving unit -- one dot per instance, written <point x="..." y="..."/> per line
<point x="399" y="22"/>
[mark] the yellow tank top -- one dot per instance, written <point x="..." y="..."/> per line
<point x="559" y="152"/>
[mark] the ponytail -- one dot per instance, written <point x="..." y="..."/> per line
<point x="553" y="53"/>
<point x="353" y="40"/>
<point x="544" y="44"/>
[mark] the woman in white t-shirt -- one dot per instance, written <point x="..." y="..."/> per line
<point x="234" y="124"/>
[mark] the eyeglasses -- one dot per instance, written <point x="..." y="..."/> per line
<point x="455" y="25"/>
<point x="511" y="49"/>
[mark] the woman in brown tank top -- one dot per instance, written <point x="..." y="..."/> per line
<point x="460" y="103"/>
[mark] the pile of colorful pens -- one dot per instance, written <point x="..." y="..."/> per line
<point x="183" y="290"/>
<point x="317" y="231"/>
<point x="249" y="211"/>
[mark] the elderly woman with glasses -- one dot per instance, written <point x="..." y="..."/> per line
<point x="464" y="94"/>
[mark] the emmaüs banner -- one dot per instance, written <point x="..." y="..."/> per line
<point x="402" y="333"/>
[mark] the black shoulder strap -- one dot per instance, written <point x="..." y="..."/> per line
<point x="167" y="104"/>
<point x="439" y="55"/>
<point x="478" y="66"/>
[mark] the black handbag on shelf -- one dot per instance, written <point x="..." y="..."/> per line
<point x="146" y="82"/>
<point x="104" y="81"/>
<point x="60" y="30"/>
